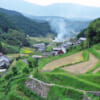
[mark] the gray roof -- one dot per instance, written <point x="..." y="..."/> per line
<point x="4" y="61"/>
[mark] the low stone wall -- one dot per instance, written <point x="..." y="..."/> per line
<point x="86" y="98"/>
<point x="96" y="93"/>
<point x="38" y="86"/>
<point x="42" y="88"/>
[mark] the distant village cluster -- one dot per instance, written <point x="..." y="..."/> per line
<point x="41" y="48"/>
<point x="57" y="49"/>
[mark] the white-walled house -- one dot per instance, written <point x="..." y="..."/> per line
<point x="58" y="51"/>
<point x="4" y="62"/>
<point x="82" y="39"/>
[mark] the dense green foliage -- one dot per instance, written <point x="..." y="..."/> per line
<point x="5" y="48"/>
<point x="5" y="23"/>
<point x="81" y="34"/>
<point x="92" y="33"/>
<point x="14" y="19"/>
<point x="61" y="93"/>
<point x="15" y="38"/>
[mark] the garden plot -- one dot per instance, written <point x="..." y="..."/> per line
<point x="82" y="67"/>
<point x="63" y="61"/>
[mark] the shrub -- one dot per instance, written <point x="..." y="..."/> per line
<point x="26" y="70"/>
<point x="8" y="76"/>
<point x="14" y="70"/>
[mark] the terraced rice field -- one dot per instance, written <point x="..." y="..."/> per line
<point x="82" y="67"/>
<point x="96" y="70"/>
<point x="63" y="61"/>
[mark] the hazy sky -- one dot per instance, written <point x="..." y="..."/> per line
<point x="95" y="3"/>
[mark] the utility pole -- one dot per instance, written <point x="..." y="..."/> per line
<point x="37" y="63"/>
<point x="88" y="45"/>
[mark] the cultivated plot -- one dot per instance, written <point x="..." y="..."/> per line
<point x="82" y="67"/>
<point x="63" y="61"/>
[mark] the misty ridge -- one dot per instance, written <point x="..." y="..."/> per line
<point x="65" y="19"/>
<point x="63" y="27"/>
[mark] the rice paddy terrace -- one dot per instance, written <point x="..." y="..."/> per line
<point x="63" y="61"/>
<point x="74" y="63"/>
<point x="84" y="66"/>
<point x="72" y="76"/>
<point x="79" y="71"/>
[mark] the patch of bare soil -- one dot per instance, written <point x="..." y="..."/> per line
<point x="16" y="55"/>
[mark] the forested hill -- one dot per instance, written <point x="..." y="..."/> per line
<point x="92" y="32"/>
<point x="15" y="20"/>
<point x="5" y="23"/>
<point x="14" y="28"/>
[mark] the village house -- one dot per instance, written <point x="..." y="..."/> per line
<point x="36" y="56"/>
<point x="82" y="39"/>
<point x="46" y="54"/>
<point x="40" y="47"/>
<point x="4" y="62"/>
<point x="65" y="45"/>
<point x="77" y="42"/>
<point x="58" y="51"/>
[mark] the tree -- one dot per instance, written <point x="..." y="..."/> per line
<point x="26" y="70"/>
<point x="36" y="63"/>
<point x="0" y="47"/>
<point x="33" y="63"/>
<point x="30" y="64"/>
<point x="15" y="70"/>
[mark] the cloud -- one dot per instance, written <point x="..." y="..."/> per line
<point x="95" y="3"/>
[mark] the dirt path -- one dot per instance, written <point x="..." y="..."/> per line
<point x="82" y="67"/>
<point x="16" y="55"/>
<point x="63" y="61"/>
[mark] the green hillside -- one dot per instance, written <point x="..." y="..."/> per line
<point x="92" y="32"/>
<point x="14" y="28"/>
<point x="24" y="24"/>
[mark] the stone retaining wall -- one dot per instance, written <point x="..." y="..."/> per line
<point x="38" y="86"/>
<point x="42" y="88"/>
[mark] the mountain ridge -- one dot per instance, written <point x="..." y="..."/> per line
<point x="64" y="28"/>
<point x="68" y="10"/>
